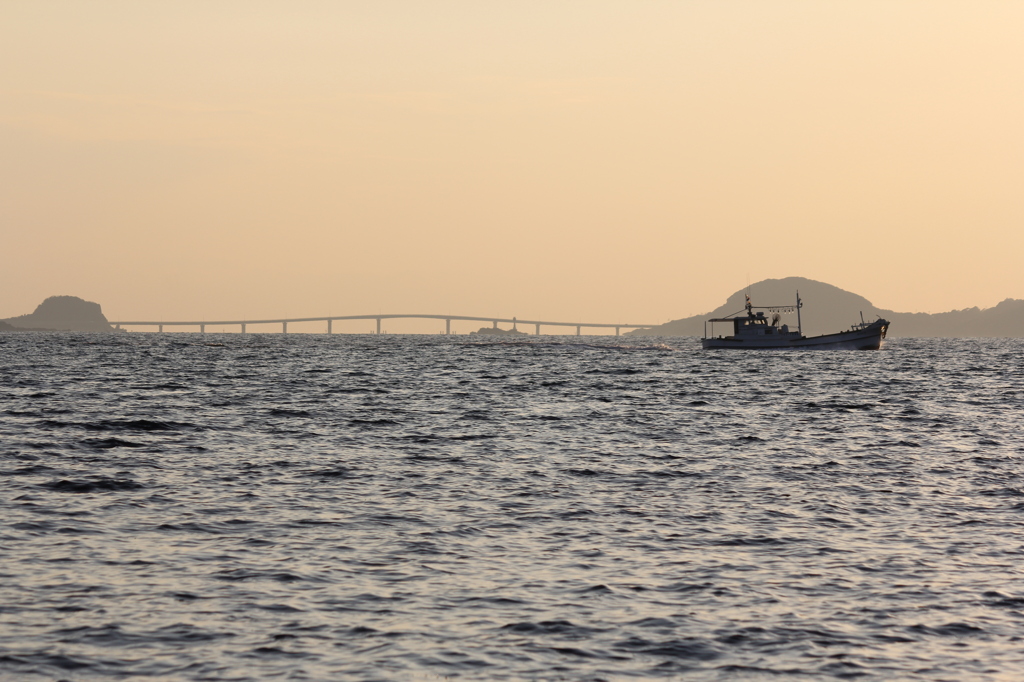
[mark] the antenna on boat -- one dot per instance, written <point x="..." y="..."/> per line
<point x="799" y="326"/>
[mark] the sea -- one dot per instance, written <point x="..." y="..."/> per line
<point x="361" y="507"/>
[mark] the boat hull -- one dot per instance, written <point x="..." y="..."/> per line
<point x="868" y="338"/>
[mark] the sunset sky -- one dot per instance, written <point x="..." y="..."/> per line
<point x="581" y="160"/>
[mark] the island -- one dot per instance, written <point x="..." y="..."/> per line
<point x="61" y="313"/>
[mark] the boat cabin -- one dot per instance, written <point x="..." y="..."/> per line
<point x="754" y="324"/>
<point x="757" y="325"/>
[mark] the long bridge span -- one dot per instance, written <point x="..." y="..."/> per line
<point x="244" y="324"/>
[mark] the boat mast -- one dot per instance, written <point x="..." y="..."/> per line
<point x="799" y="327"/>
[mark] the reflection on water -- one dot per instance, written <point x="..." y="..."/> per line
<point x="242" y="507"/>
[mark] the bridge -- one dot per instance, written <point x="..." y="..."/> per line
<point x="244" y="324"/>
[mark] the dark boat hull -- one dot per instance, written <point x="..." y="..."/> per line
<point x="868" y="338"/>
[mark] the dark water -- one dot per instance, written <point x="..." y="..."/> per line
<point x="353" y="507"/>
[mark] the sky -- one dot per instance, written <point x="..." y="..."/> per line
<point x="595" y="160"/>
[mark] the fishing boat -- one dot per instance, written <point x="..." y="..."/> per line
<point x="755" y="330"/>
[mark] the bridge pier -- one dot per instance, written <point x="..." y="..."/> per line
<point x="538" y="330"/>
<point x="243" y="327"/>
<point x="284" y="327"/>
<point x="617" y="331"/>
<point x="495" y="324"/>
<point x="202" y="329"/>
<point x="447" y="327"/>
<point x="160" y="328"/>
<point x="577" y="330"/>
<point x="329" y="321"/>
<point x="378" y="325"/>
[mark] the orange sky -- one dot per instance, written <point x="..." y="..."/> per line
<point x="594" y="160"/>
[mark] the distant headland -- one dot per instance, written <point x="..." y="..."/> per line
<point x="828" y="308"/>
<point x="60" y="313"/>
